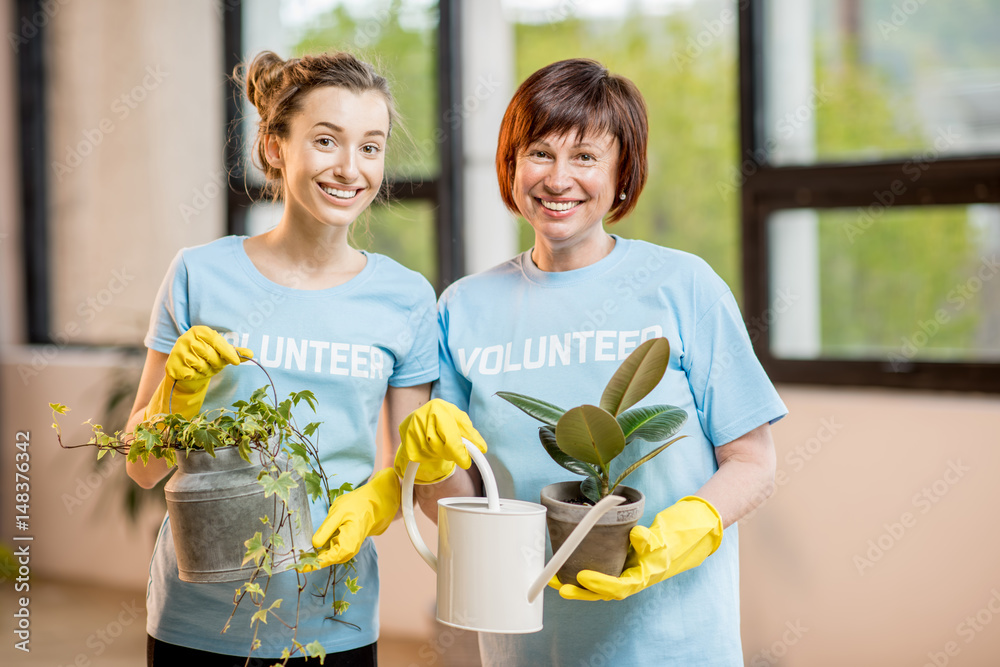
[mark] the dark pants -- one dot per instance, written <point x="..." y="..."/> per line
<point x="162" y="654"/>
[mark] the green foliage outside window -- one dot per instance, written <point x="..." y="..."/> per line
<point x="880" y="275"/>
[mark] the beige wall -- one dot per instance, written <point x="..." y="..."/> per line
<point x="881" y="537"/>
<point x="136" y="124"/>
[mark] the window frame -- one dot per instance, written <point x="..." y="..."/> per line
<point x="33" y="147"/>
<point x="973" y="179"/>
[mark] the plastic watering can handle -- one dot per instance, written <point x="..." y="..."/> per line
<point x="409" y="520"/>
<point x="571" y="543"/>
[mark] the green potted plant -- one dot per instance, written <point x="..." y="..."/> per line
<point x="587" y="440"/>
<point x="239" y="501"/>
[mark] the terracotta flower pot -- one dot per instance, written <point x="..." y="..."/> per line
<point x="603" y="549"/>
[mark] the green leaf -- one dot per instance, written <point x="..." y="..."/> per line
<point x="253" y="588"/>
<point x="591" y="489"/>
<point x="284" y="483"/>
<point x="533" y="407"/>
<point x="336" y="493"/>
<point x="547" y="435"/>
<point x="590" y="434"/>
<point x="259" y="615"/>
<point x="298" y="449"/>
<point x="255" y="549"/>
<point x="352" y="584"/>
<point x="307" y="396"/>
<point x="637" y="376"/>
<point x="314" y="484"/>
<point x="315" y="650"/>
<point x="632" y="468"/>
<point x="651" y="423"/>
<point x="307" y="559"/>
<point x="207" y="440"/>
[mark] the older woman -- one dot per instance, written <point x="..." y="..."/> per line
<point x="572" y="153"/>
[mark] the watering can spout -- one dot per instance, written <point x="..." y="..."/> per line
<point x="572" y="541"/>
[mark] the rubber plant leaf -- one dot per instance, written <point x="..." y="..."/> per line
<point x="547" y="435"/>
<point x="591" y="489"/>
<point x="637" y="376"/>
<point x="590" y="434"/>
<point x="651" y="423"/>
<point x="533" y="407"/>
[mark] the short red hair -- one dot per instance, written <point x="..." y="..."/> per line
<point x="582" y="97"/>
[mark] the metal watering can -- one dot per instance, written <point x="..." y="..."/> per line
<point x="490" y="565"/>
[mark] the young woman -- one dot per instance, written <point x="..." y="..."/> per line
<point x="354" y="327"/>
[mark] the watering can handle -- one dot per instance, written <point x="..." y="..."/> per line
<point x="572" y="541"/>
<point x="409" y="520"/>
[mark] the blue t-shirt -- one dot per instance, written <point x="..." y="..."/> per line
<point x="559" y="337"/>
<point x="347" y="344"/>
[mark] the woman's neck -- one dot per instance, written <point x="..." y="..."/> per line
<point x="568" y="256"/>
<point x="305" y="257"/>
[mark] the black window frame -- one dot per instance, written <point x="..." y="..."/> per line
<point x="766" y="189"/>
<point x="444" y="191"/>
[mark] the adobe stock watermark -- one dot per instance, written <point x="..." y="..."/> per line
<point x="432" y="650"/>
<point x="201" y="197"/>
<point x="87" y="486"/>
<point x="455" y="115"/>
<point x="31" y="25"/>
<point x="958" y="297"/>
<point x="912" y="169"/>
<point x="757" y="326"/>
<point x="796" y="459"/>
<point x="562" y="11"/>
<point x="773" y="654"/>
<point x="88" y="310"/>
<point x="967" y="630"/>
<point x="102" y="638"/>
<point x="711" y="30"/>
<point x="121" y="108"/>
<point x="923" y="501"/>
<point x="368" y="32"/>
<point x="901" y="13"/>
<point x="784" y="129"/>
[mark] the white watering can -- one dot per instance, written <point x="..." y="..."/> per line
<point x="490" y="565"/>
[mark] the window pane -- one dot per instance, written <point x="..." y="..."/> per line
<point x="896" y="285"/>
<point x="403" y="230"/>
<point x="876" y="79"/>
<point x="398" y="38"/>
<point x="682" y="57"/>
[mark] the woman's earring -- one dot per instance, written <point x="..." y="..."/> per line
<point x="622" y="196"/>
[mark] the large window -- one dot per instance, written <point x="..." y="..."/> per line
<point x="870" y="178"/>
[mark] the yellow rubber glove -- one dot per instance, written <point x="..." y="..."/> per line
<point x="367" y="510"/>
<point x="198" y="354"/>
<point x="432" y="436"/>
<point x="680" y="538"/>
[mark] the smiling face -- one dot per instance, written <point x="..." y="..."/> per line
<point x="333" y="159"/>
<point x="564" y="186"/>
